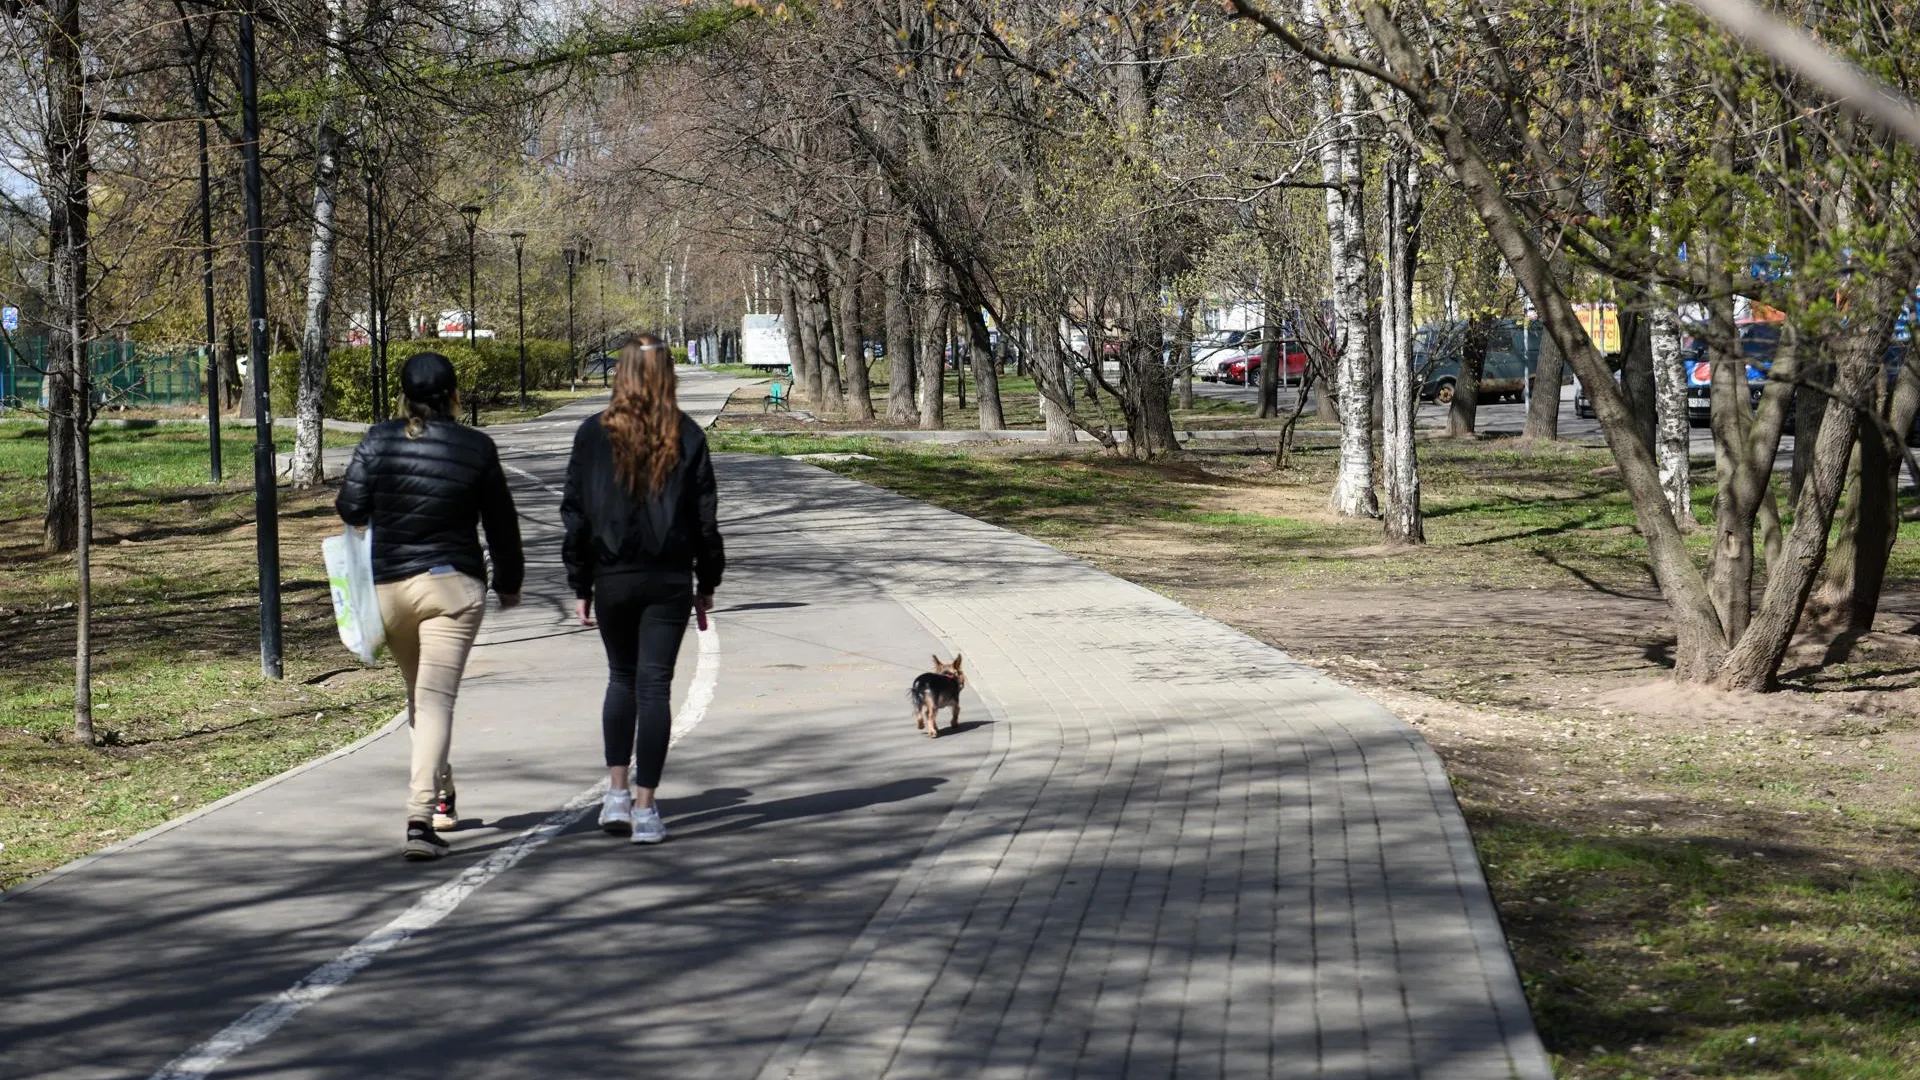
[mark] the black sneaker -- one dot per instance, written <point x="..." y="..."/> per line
<point x="445" y="817"/>
<point x="423" y="842"/>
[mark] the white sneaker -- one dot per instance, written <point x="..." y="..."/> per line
<point x="647" y="826"/>
<point x="616" y="812"/>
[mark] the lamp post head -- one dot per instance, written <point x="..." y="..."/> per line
<point x="472" y="215"/>
<point x="519" y="240"/>
<point x="571" y="254"/>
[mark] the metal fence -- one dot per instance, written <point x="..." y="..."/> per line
<point x="123" y="374"/>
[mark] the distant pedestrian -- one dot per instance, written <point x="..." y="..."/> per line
<point x="424" y="483"/>
<point x="643" y="552"/>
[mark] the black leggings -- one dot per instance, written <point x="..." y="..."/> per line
<point x="642" y="619"/>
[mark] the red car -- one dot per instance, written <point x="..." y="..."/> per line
<point x="1242" y="369"/>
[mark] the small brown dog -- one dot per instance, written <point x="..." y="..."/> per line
<point x="938" y="689"/>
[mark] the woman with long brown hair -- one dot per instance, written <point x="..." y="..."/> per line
<point x="643" y="552"/>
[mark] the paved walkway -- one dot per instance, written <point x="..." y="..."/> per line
<point x="1155" y="847"/>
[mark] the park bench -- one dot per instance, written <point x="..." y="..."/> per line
<point x="777" y="398"/>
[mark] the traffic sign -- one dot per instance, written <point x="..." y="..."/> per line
<point x="9" y="319"/>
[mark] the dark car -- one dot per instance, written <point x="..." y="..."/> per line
<point x="1513" y="348"/>
<point x="1758" y="343"/>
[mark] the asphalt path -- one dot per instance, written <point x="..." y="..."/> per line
<point x="1153" y="847"/>
<point x="691" y="959"/>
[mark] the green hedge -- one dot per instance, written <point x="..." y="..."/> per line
<point x="486" y="369"/>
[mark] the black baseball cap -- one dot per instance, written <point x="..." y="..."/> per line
<point x="427" y="376"/>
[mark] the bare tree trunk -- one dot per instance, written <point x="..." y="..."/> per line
<point x="1272" y="355"/>
<point x="853" y="344"/>
<point x="1810" y="408"/>
<point x="68" y="210"/>
<point x="1674" y="441"/>
<point x="1050" y="374"/>
<point x="933" y="322"/>
<point x="1146" y="383"/>
<point x="83" y="549"/>
<point x="1353" y="494"/>
<point x="1730" y="574"/>
<point x="986" y="370"/>
<point x="1755" y="657"/>
<point x="1325" y="407"/>
<point x="1543" y="394"/>
<point x="1183" y="349"/>
<point x="231" y="382"/>
<point x="309" y="407"/>
<point x="1847" y="599"/>
<point x="793" y="323"/>
<point x="900" y="349"/>
<point x="1463" y="412"/>
<point x="309" y="465"/>
<point x="828" y="393"/>
<point x="1636" y="370"/>
<point x="1400" y="512"/>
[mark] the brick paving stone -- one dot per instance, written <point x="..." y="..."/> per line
<point x="1187" y="854"/>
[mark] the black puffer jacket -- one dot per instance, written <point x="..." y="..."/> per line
<point x="611" y="531"/>
<point x="424" y="497"/>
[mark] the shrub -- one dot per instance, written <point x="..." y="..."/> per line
<point x="487" y="370"/>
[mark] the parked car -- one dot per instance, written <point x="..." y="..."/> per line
<point x="1244" y="370"/>
<point x="1211" y="349"/>
<point x="1513" y="348"/>
<point x="1758" y="343"/>
<point x="1760" y="347"/>
<point x="1250" y="343"/>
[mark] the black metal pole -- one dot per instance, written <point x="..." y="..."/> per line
<point x="606" y="374"/>
<point x="573" y="360"/>
<point x="373" y="299"/>
<point x="206" y="290"/>
<point x="383" y="301"/>
<point x="266" y="507"/>
<point x="520" y="306"/>
<point x="472" y="227"/>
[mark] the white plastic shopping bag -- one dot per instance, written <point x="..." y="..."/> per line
<point x="356" y="608"/>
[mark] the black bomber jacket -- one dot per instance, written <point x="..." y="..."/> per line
<point x="424" y="498"/>
<point x="610" y="530"/>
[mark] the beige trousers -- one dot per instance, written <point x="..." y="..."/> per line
<point x="431" y="623"/>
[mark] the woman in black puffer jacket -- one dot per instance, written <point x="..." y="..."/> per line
<point x="643" y="551"/>
<point x="423" y="484"/>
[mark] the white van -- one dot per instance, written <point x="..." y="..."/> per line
<point x="763" y="341"/>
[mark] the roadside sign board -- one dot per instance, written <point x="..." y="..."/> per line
<point x="9" y="319"/>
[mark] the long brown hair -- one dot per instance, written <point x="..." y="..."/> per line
<point x="643" y="423"/>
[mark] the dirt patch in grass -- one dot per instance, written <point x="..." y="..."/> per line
<point x="1693" y="884"/>
<point x="181" y="708"/>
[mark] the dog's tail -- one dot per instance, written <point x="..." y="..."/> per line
<point x="919" y="695"/>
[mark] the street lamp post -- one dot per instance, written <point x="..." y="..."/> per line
<point x="605" y="374"/>
<point x="472" y="214"/>
<point x="520" y="306"/>
<point x="266" y="507"/>
<point x="572" y="256"/>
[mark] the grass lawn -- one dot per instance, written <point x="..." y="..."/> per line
<point x="180" y="704"/>
<point x="743" y="371"/>
<point x="1693" y="884"/>
<point x="1019" y="407"/>
<point x="539" y="403"/>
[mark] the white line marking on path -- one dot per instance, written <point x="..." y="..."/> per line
<point x="542" y="484"/>
<point x="269" y="1016"/>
